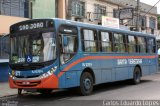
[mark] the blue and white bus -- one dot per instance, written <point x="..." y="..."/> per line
<point x="48" y="54"/>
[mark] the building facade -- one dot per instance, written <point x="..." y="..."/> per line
<point x="13" y="11"/>
<point x="19" y="8"/>
<point x="91" y="11"/>
<point x="43" y="9"/>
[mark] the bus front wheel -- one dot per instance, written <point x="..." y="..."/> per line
<point x="19" y="91"/>
<point x="86" y="84"/>
<point x="136" y="76"/>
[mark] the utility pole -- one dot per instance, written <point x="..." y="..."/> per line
<point x="138" y="13"/>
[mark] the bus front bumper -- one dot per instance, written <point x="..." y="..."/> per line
<point x="50" y="82"/>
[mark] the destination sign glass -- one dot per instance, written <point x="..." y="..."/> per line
<point x="31" y="25"/>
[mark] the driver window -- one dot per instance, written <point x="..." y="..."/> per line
<point x="68" y="47"/>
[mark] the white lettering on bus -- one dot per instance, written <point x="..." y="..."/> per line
<point x="130" y="61"/>
<point x="87" y="64"/>
<point x="31" y="26"/>
<point x="37" y="71"/>
<point x="135" y="61"/>
<point x="121" y="61"/>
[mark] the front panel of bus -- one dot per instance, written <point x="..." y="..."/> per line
<point x="33" y="54"/>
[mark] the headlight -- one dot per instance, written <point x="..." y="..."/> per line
<point x="12" y="74"/>
<point x="50" y="72"/>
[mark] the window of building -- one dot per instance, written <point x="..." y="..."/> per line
<point x="119" y="44"/>
<point x="152" y="22"/>
<point x="151" y="45"/>
<point x="141" y="44"/>
<point x="89" y="39"/>
<point x="131" y="44"/>
<point x="15" y="8"/>
<point x="4" y="47"/>
<point x="99" y="11"/>
<point x="78" y="8"/>
<point x="106" y="42"/>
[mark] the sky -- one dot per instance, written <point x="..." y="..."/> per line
<point x="152" y="2"/>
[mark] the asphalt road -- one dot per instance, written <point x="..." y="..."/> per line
<point x="103" y="95"/>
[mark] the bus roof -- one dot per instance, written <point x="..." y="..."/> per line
<point x="82" y="24"/>
<point x="100" y="27"/>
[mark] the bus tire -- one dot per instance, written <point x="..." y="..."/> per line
<point x="86" y="84"/>
<point x="136" y="76"/>
<point x="19" y="91"/>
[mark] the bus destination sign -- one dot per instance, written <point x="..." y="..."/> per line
<point x="31" y="26"/>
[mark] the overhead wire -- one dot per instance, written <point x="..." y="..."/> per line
<point x="145" y="13"/>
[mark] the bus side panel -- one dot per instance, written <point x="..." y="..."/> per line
<point x="121" y="73"/>
<point x="121" y="68"/>
<point x="145" y="67"/>
<point x="62" y="81"/>
<point x="107" y="70"/>
<point x="153" y="66"/>
<point x="149" y="66"/>
<point x="70" y="79"/>
<point x="69" y="72"/>
<point x="130" y="71"/>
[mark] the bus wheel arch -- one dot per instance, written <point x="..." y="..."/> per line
<point x="86" y="82"/>
<point x="89" y="70"/>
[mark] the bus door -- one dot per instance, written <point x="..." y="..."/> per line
<point x="68" y="54"/>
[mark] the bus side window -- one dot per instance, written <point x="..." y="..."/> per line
<point x="131" y="44"/>
<point x="151" y="45"/>
<point x="105" y="41"/>
<point x="141" y="43"/>
<point x="89" y="40"/>
<point x="119" y="45"/>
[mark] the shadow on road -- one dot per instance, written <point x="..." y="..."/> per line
<point x="116" y="85"/>
<point x="70" y="93"/>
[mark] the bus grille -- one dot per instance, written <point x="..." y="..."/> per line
<point x="27" y="83"/>
<point x="27" y="76"/>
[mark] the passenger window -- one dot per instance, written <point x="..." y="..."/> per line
<point x="151" y="45"/>
<point x="119" y="44"/>
<point x="89" y="41"/>
<point x="141" y="44"/>
<point x="131" y="44"/>
<point x="106" y="42"/>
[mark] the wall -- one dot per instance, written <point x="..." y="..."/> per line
<point x="43" y="9"/>
<point x="4" y="72"/>
<point x="6" y="21"/>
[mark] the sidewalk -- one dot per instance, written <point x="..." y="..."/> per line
<point x="5" y="90"/>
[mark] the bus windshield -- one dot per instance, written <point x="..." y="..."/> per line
<point x="33" y="48"/>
